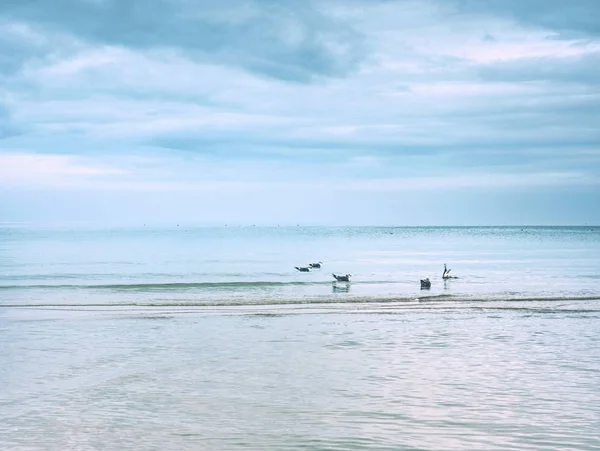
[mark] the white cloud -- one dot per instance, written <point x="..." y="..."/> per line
<point x="464" y="89"/>
<point x="73" y="66"/>
<point x="201" y="175"/>
<point x="17" y="169"/>
<point x="543" y="46"/>
<point x="476" y="180"/>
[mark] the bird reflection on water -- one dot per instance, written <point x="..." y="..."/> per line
<point x="341" y="287"/>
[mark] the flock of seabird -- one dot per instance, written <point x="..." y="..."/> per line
<point x="317" y="265"/>
<point x="425" y="283"/>
<point x="310" y="267"/>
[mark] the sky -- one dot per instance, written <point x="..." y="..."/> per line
<point x="329" y="112"/>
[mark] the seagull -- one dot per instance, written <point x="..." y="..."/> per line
<point x="303" y="268"/>
<point x="345" y="278"/>
<point x="315" y="265"/>
<point x="446" y="274"/>
<point x="425" y="283"/>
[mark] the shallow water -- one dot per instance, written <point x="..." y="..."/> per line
<point x="249" y="265"/>
<point x="492" y="379"/>
<point x="208" y="339"/>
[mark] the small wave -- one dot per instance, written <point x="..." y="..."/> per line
<point x="187" y="285"/>
<point x="433" y="301"/>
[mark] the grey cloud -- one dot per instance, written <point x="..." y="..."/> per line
<point x="579" y="17"/>
<point x="518" y="131"/>
<point x="282" y="39"/>
<point x="12" y="54"/>
<point x="20" y="44"/>
<point x="508" y="130"/>
<point x="399" y="158"/>
<point x="7" y="127"/>
<point x="584" y="69"/>
<point x="14" y="50"/>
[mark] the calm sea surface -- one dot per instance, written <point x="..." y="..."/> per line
<point x="208" y="338"/>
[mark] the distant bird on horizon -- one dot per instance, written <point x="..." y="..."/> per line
<point x="425" y="283"/>
<point x="315" y="265"/>
<point x="344" y="278"/>
<point x="303" y="268"/>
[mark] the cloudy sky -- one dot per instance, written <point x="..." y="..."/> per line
<point x="394" y="112"/>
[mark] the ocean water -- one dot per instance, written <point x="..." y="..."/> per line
<point x="208" y="338"/>
<point x="250" y="265"/>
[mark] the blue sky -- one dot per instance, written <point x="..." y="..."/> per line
<point x="283" y="112"/>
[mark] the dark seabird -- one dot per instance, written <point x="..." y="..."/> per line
<point x="425" y="283"/>
<point x="315" y="265"/>
<point x="302" y="268"/>
<point x="345" y="278"/>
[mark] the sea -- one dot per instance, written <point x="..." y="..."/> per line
<point x="208" y="338"/>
